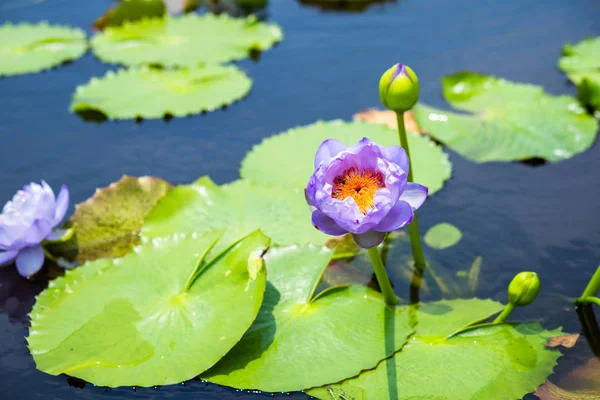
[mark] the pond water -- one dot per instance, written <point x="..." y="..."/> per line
<point x="517" y="217"/>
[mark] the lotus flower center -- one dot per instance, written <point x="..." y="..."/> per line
<point x="360" y="185"/>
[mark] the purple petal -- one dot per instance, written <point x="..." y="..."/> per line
<point x="414" y="194"/>
<point x="326" y="225"/>
<point x="38" y="231"/>
<point x="369" y="239"/>
<point x="7" y="257"/>
<point x="30" y="260"/>
<point x="328" y="149"/>
<point x="62" y="205"/>
<point x="400" y="215"/>
<point x="397" y="155"/>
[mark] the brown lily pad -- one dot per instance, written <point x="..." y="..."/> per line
<point x="387" y="117"/>
<point x="108" y="223"/>
<point x="567" y="341"/>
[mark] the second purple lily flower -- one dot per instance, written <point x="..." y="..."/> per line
<point x="362" y="190"/>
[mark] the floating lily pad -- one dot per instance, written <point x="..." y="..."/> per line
<point x="145" y="92"/>
<point x="300" y="340"/>
<point x="442" y="236"/>
<point x="27" y="48"/>
<point x="240" y="207"/>
<point x="187" y="41"/>
<point x="581" y="63"/>
<point x="287" y="159"/>
<point x="507" y="121"/>
<point x="108" y="224"/>
<point x="157" y="316"/>
<point x="131" y="10"/>
<point x="492" y="362"/>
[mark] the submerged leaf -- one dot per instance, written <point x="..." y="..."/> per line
<point x="187" y="41"/>
<point x="507" y="121"/>
<point x="240" y="207"/>
<point x="108" y="224"/>
<point x="27" y="48"/>
<point x="442" y="236"/>
<point x="146" y="92"/>
<point x="492" y="362"/>
<point x="157" y="316"/>
<point x="300" y="340"/>
<point x="582" y="383"/>
<point x="581" y="63"/>
<point x="292" y="153"/>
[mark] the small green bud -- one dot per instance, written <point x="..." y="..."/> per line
<point x="523" y="289"/>
<point x="399" y="88"/>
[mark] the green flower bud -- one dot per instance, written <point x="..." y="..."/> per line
<point x="399" y="88"/>
<point x="523" y="289"/>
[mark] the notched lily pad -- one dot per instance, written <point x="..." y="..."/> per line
<point x="475" y="364"/>
<point x="157" y="316"/>
<point x="582" y="383"/>
<point x="28" y="48"/>
<point x="293" y="152"/>
<point x="300" y="340"/>
<point x="507" y="121"/>
<point x="108" y="224"/>
<point x="442" y="235"/>
<point x="240" y="207"/>
<point x="581" y="63"/>
<point x="187" y="41"/>
<point x="134" y="93"/>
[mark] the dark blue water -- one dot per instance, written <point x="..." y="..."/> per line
<point x="544" y="219"/>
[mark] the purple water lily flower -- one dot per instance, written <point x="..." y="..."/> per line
<point x="26" y="221"/>
<point x="363" y="190"/>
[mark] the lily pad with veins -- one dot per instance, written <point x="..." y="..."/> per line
<point x="492" y="362"/>
<point x="187" y="41"/>
<point x="239" y="207"/>
<point x="301" y="340"/>
<point x="293" y="153"/>
<point x="145" y="92"/>
<point x="28" y="48"/>
<point x="157" y="316"/>
<point x="507" y="121"/>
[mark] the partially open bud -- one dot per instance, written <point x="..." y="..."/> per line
<point x="523" y="289"/>
<point x="399" y="88"/>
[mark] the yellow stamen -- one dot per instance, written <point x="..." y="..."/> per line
<point x="360" y="185"/>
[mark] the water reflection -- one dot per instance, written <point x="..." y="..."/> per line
<point x="351" y="6"/>
<point x="17" y="294"/>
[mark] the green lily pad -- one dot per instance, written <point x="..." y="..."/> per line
<point x="27" y="48"/>
<point x="581" y="63"/>
<point x="300" y="340"/>
<point x="240" y="207"/>
<point x="108" y="223"/>
<point x="492" y="362"/>
<point x="287" y="159"/>
<point x="133" y="93"/>
<point x="442" y="236"/>
<point x="507" y="121"/>
<point x="187" y="41"/>
<point x="157" y="316"/>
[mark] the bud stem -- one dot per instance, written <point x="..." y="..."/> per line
<point x="591" y="289"/>
<point x="510" y="307"/>
<point x="413" y="227"/>
<point x="382" y="277"/>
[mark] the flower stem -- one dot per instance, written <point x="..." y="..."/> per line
<point x="413" y="227"/>
<point x="382" y="277"/>
<point x="505" y="313"/>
